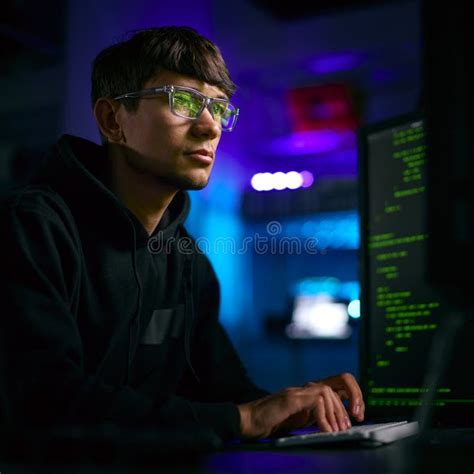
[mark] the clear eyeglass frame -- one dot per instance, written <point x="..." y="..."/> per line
<point x="189" y="103"/>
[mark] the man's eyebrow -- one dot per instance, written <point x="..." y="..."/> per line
<point x="222" y="95"/>
<point x="218" y="96"/>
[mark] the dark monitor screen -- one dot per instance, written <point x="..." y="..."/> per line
<point x="447" y="100"/>
<point x="400" y="310"/>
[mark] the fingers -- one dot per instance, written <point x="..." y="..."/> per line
<point x="356" y="400"/>
<point x="348" y="389"/>
<point x="330" y="414"/>
<point x="341" y="413"/>
<point x="321" y="415"/>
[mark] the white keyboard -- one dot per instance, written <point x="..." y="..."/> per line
<point x="380" y="433"/>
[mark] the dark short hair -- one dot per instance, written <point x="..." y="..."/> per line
<point x="127" y="65"/>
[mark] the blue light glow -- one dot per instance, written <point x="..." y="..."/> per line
<point x="339" y="290"/>
<point x="317" y="286"/>
<point x="331" y="230"/>
<point x="353" y="309"/>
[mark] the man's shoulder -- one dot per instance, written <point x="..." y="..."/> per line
<point x="39" y="199"/>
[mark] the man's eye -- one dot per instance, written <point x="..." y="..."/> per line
<point x="181" y="100"/>
<point x="219" y="109"/>
<point x="187" y="102"/>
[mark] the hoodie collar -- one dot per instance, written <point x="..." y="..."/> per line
<point x="77" y="169"/>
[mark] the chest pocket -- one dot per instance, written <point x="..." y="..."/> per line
<point x="160" y="357"/>
<point x="164" y="324"/>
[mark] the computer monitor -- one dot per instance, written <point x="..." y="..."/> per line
<point x="448" y="75"/>
<point x="401" y="309"/>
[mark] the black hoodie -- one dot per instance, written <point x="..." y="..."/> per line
<point x="102" y="323"/>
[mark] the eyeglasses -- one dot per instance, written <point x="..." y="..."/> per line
<point x="189" y="103"/>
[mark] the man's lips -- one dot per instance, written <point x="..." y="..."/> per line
<point x="203" y="155"/>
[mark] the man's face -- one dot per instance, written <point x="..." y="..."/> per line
<point x="178" y="151"/>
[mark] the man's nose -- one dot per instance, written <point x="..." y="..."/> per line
<point x="206" y="125"/>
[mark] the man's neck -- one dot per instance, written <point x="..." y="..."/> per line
<point x="140" y="192"/>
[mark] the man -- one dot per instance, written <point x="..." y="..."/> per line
<point x="100" y="326"/>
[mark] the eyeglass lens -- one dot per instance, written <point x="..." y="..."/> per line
<point x="188" y="104"/>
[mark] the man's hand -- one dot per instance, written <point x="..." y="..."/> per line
<point x="318" y="402"/>
<point x="346" y="386"/>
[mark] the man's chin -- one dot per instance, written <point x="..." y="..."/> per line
<point x="187" y="183"/>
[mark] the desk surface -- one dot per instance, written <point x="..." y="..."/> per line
<point x="406" y="456"/>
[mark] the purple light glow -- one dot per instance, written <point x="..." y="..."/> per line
<point x="311" y="142"/>
<point x="308" y="179"/>
<point x="342" y="61"/>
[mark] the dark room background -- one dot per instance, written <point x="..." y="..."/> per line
<point x="279" y="219"/>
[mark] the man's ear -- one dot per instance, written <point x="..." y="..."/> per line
<point x="106" y="115"/>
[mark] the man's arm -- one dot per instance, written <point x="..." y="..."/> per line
<point x="42" y="374"/>
<point x="223" y="377"/>
<point x="221" y="373"/>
